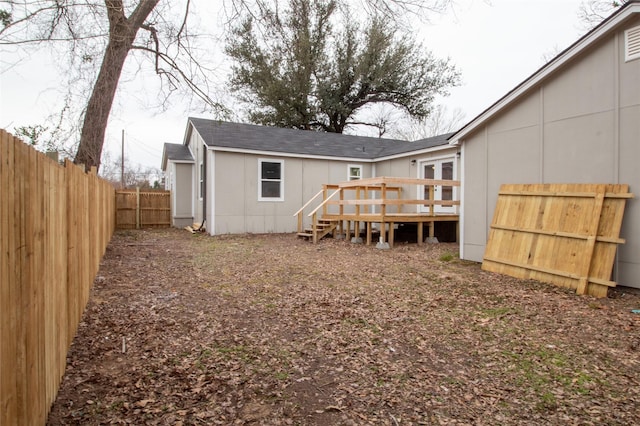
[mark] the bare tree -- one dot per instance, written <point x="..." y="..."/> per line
<point x="106" y="33"/>
<point x="396" y="10"/>
<point x="135" y="175"/>
<point x="439" y="122"/>
<point x="99" y="35"/>
<point x="592" y="12"/>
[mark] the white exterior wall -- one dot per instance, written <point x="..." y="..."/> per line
<point x="580" y="125"/>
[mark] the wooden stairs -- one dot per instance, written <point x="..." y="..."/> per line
<point x="321" y="229"/>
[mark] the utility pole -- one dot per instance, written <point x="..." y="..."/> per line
<point x="122" y="163"/>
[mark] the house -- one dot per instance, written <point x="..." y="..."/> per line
<point x="575" y="120"/>
<point x="245" y="178"/>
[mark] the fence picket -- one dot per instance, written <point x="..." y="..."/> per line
<point x="143" y="209"/>
<point x="55" y="224"/>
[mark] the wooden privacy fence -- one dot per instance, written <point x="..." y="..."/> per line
<point x="143" y="209"/>
<point x="55" y="224"/>
<point x="563" y="234"/>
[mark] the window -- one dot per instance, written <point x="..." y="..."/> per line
<point x="355" y="172"/>
<point x="632" y="44"/>
<point x="271" y="174"/>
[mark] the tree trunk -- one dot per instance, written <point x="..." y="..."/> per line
<point x="97" y="114"/>
<point x="122" y="33"/>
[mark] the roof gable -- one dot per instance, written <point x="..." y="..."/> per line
<point x="610" y="24"/>
<point x="177" y="153"/>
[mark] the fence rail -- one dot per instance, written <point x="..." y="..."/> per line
<point x="137" y="209"/>
<point x="563" y="234"/>
<point x="55" y="224"/>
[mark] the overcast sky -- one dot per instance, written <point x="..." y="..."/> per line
<point x="495" y="44"/>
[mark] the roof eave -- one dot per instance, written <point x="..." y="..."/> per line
<point x="287" y="154"/>
<point x="416" y="152"/>
<point x="328" y="157"/>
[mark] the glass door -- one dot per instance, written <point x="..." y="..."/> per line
<point x="443" y="169"/>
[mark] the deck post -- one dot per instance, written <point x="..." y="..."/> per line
<point x="366" y="197"/>
<point x="315" y="227"/>
<point x="432" y="229"/>
<point x="368" y="233"/>
<point x="383" y="193"/>
<point x="420" y="232"/>
<point x="432" y="207"/>
<point x="391" y="232"/>
<point x="325" y="193"/>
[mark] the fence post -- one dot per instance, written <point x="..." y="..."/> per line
<point x="137" y="207"/>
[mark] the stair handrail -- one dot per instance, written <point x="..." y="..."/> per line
<point x="326" y="200"/>
<point x="308" y="202"/>
<point x="299" y="212"/>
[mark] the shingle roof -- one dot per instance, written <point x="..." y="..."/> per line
<point x="175" y="152"/>
<point x="301" y="142"/>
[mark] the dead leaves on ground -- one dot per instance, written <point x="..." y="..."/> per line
<point x="188" y="329"/>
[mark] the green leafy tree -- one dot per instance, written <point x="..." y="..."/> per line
<point x="293" y="69"/>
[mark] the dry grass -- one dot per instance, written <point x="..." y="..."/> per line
<point x="268" y="329"/>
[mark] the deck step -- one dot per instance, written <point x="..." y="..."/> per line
<point x="319" y="228"/>
<point x="323" y="228"/>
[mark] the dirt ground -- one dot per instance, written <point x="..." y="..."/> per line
<point x="186" y="329"/>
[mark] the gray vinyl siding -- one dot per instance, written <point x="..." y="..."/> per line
<point x="580" y="125"/>
<point x="237" y="208"/>
<point x="182" y="195"/>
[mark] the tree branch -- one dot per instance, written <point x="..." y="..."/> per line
<point x="174" y="80"/>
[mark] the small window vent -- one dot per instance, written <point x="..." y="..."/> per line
<point x="632" y="44"/>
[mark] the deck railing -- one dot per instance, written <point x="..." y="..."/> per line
<point x="384" y="194"/>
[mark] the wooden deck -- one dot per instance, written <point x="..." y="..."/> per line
<point x="377" y="204"/>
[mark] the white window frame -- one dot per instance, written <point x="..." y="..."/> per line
<point x="433" y="161"/>
<point x="260" y="180"/>
<point x="351" y="177"/>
